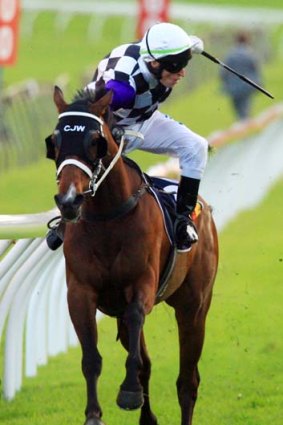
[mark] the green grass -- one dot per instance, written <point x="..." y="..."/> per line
<point x="29" y="189"/>
<point x="248" y="317"/>
<point x="54" y="52"/>
<point x="207" y="110"/>
<point x="241" y="366"/>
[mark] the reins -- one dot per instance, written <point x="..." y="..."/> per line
<point x="103" y="172"/>
<point x="93" y="175"/>
<point x="93" y="185"/>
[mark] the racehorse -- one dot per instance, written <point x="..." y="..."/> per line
<point x="116" y="249"/>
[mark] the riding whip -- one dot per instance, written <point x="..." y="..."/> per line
<point x="242" y="77"/>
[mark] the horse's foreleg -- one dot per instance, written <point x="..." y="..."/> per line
<point x="130" y="396"/>
<point x="82" y="312"/>
<point x="147" y="417"/>
<point x="91" y="367"/>
<point x="191" y="337"/>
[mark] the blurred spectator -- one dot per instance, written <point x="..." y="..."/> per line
<point x="243" y="59"/>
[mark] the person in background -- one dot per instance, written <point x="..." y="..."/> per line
<point x="141" y="75"/>
<point x="243" y="59"/>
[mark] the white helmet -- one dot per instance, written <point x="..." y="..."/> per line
<point x="164" y="39"/>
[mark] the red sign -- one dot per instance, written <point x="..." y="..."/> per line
<point x="151" y="12"/>
<point x="9" y="25"/>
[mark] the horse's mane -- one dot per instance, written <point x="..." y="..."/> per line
<point x="84" y="97"/>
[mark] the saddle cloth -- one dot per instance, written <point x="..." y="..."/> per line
<point x="164" y="190"/>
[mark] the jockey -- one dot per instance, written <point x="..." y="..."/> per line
<point x="141" y="75"/>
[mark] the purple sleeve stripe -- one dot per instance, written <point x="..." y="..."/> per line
<point x="123" y="94"/>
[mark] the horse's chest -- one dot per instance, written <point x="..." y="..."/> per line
<point x="105" y="269"/>
<point x="109" y="268"/>
<point x="112" y="280"/>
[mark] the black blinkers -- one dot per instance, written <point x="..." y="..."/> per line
<point x="52" y="141"/>
<point x="50" y="148"/>
<point x="95" y="139"/>
<point x="76" y="136"/>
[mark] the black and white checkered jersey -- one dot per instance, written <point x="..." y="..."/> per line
<point x="125" y="64"/>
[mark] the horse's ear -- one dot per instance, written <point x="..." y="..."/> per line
<point x="59" y="100"/>
<point x="104" y="102"/>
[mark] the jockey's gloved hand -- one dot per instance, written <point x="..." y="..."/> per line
<point x="118" y="132"/>
<point x="198" y="46"/>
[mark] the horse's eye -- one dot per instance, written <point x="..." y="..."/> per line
<point x="90" y="143"/>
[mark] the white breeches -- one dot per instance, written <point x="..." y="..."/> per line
<point x="163" y="135"/>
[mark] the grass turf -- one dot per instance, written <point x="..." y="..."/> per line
<point x="241" y="366"/>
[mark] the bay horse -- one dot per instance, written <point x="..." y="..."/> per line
<point x="116" y="249"/>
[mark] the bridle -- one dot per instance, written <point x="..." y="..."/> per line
<point x="94" y="183"/>
<point x="99" y="169"/>
<point x="99" y="172"/>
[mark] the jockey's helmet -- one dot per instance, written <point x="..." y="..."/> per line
<point x="168" y="44"/>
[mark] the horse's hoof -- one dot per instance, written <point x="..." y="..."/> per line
<point x="129" y="400"/>
<point x="148" y="418"/>
<point x="94" y="421"/>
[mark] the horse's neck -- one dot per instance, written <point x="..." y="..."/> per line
<point x="118" y="186"/>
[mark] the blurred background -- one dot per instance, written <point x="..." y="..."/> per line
<point x="60" y="42"/>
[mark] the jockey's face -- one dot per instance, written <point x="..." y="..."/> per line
<point x="168" y="79"/>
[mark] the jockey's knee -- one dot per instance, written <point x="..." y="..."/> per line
<point x="201" y="147"/>
<point x="193" y="158"/>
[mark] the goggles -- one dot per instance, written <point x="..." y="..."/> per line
<point x="175" y="64"/>
<point x="171" y="63"/>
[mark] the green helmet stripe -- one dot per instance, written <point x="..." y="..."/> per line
<point x="165" y="52"/>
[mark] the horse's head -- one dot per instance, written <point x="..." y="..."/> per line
<point x="78" y="144"/>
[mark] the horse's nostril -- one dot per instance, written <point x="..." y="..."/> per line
<point x="69" y="204"/>
<point x="78" y="200"/>
<point x="69" y="199"/>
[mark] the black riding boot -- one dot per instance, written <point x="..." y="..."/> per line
<point x="185" y="231"/>
<point x="55" y="235"/>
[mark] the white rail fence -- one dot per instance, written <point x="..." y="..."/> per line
<point x="222" y="15"/>
<point x="33" y="309"/>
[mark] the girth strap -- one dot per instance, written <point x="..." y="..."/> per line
<point x="118" y="212"/>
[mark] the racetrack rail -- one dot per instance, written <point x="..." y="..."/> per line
<point x="220" y="15"/>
